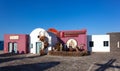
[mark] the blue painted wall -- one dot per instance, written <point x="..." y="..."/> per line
<point x="1" y="45"/>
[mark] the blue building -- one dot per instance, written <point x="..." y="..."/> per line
<point x="1" y="45"/>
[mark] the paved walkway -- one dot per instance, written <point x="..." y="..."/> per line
<point x="30" y="62"/>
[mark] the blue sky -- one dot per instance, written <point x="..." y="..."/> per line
<point x="22" y="16"/>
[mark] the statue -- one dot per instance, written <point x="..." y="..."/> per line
<point x="43" y="39"/>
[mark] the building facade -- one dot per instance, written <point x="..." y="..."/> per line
<point x="1" y="45"/>
<point x="114" y="41"/>
<point x="16" y="43"/>
<point x="41" y="41"/>
<point x="74" y="38"/>
<point x="98" y="43"/>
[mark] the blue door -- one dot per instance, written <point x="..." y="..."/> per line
<point x="15" y="47"/>
<point x="12" y="47"/>
<point x="38" y="47"/>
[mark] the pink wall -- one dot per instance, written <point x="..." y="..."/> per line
<point x="81" y="38"/>
<point x="22" y="42"/>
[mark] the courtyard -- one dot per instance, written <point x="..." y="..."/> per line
<point x="34" y="62"/>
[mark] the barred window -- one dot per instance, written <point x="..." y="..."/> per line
<point x="105" y="43"/>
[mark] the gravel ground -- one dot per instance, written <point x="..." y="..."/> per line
<point x="31" y="62"/>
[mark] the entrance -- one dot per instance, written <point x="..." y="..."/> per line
<point x="12" y="47"/>
<point x="38" y="47"/>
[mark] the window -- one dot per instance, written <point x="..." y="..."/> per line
<point x="105" y="43"/>
<point x="91" y="43"/>
<point x="31" y="45"/>
<point x="118" y="44"/>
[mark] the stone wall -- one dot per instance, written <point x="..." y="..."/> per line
<point x="114" y="41"/>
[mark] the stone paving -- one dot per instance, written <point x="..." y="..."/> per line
<point x="31" y="62"/>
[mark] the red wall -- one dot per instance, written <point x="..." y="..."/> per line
<point x="22" y="42"/>
<point x="80" y="38"/>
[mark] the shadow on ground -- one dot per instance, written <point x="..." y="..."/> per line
<point x="7" y="57"/>
<point x="109" y="64"/>
<point x="30" y="67"/>
<point x="8" y="54"/>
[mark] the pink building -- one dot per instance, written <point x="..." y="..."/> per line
<point x="74" y="38"/>
<point x="16" y="43"/>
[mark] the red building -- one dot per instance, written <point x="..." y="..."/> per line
<point x="16" y="43"/>
<point x="74" y="38"/>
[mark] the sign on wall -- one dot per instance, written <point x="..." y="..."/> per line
<point x="72" y="43"/>
<point x="14" y="37"/>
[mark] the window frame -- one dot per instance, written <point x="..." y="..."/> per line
<point x="91" y="43"/>
<point x="105" y="43"/>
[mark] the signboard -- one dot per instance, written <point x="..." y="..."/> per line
<point x="74" y="33"/>
<point x="14" y="37"/>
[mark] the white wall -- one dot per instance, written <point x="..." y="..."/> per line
<point x="52" y="39"/>
<point x="98" y="45"/>
<point x="34" y="38"/>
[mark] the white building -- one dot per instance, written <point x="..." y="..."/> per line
<point x="98" y="43"/>
<point x="35" y="40"/>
